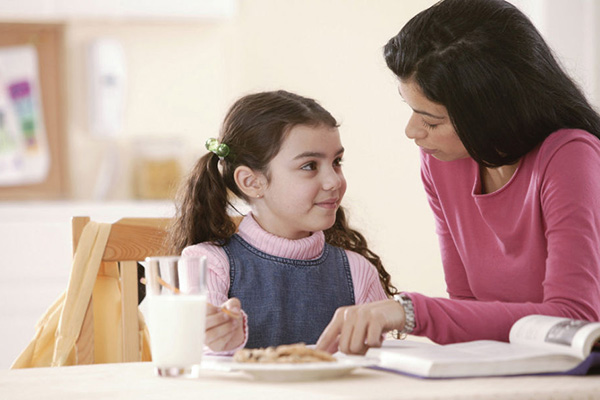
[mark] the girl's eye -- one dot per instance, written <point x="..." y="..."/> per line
<point x="311" y="166"/>
<point x="338" y="162"/>
<point x="429" y="126"/>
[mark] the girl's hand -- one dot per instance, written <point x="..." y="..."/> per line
<point x="224" y="330"/>
<point x="354" y="329"/>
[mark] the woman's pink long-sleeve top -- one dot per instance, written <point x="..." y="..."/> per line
<point x="365" y="278"/>
<point x="532" y="247"/>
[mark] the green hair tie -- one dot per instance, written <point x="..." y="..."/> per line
<point x="221" y="150"/>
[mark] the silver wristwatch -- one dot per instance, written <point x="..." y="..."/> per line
<point x="409" y="315"/>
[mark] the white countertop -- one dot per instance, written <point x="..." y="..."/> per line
<point x="133" y="381"/>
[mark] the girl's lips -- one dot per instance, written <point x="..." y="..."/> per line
<point x="328" y="203"/>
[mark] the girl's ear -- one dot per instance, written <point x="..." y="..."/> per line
<point x="251" y="183"/>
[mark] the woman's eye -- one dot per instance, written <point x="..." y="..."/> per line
<point x="338" y="162"/>
<point x="429" y="126"/>
<point x="311" y="166"/>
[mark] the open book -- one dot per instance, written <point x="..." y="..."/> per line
<point x="538" y="345"/>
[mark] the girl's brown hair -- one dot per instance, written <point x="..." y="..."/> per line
<point x="254" y="130"/>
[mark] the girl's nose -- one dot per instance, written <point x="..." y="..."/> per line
<point x="413" y="129"/>
<point x="332" y="180"/>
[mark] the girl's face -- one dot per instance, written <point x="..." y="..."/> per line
<point x="430" y="126"/>
<point x="306" y="183"/>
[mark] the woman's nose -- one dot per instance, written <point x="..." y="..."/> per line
<point x="413" y="129"/>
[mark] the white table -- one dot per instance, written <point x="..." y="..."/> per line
<point x="137" y="381"/>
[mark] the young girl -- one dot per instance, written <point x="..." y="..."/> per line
<point x="294" y="260"/>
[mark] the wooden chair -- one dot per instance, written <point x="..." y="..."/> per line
<point x="130" y="240"/>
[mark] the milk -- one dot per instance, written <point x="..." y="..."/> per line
<point x="176" y="325"/>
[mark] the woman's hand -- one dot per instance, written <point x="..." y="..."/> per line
<point x="224" y="330"/>
<point x="354" y="329"/>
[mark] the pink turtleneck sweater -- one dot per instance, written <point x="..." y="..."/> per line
<point x="365" y="278"/>
<point x="531" y="247"/>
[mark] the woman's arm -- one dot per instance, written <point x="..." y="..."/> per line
<point x="569" y="198"/>
<point x="457" y="284"/>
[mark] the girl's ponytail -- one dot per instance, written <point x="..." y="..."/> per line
<point x="202" y="202"/>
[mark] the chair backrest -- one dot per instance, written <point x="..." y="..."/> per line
<point x="130" y="240"/>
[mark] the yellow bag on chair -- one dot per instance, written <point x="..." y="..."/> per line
<point x="56" y="333"/>
<point x="108" y="331"/>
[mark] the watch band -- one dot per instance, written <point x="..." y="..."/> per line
<point x="409" y="316"/>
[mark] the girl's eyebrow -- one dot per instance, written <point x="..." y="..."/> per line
<point x="315" y="154"/>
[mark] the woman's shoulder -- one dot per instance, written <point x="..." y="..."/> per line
<point x="572" y="142"/>
<point x="563" y="137"/>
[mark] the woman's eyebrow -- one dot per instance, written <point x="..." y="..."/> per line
<point x="316" y="154"/>
<point x="419" y="111"/>
<point x="428" y="114"/>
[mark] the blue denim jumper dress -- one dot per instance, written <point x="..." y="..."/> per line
<point x="287" y="300"/>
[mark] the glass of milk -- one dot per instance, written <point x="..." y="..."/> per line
<point x="176" y="296"/>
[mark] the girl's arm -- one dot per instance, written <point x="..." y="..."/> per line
<point x="367" y="286"/>
<point x="226" y="333"/>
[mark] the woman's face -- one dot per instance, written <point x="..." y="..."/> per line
<point x="430" y="126"/>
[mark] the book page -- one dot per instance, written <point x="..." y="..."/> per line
<point x="557" y="334"/>
<point x="477" y="358"/>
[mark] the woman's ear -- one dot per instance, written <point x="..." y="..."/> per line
<point x="251" y="183"/>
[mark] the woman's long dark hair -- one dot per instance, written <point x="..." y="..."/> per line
<point x="254" y="129"/>
<point x="489" y="66"/>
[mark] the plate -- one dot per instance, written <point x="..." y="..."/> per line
<point x="289" y="372"/>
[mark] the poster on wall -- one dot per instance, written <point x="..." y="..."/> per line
<point x="24" y="153"/>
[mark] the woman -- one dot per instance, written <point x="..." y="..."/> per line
<point x="511" y="166"/>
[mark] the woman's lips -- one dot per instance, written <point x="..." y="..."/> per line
<point x="428" y="151"/>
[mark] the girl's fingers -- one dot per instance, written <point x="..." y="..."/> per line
<point x="232" y="307"/>
<point x="216" y="319"/>
<point x="210" y="309"/>
<point x="232" y="304"/>
<point x="229" y="310"/>
<point x="217" y="332"/>
<point x="226" y="336"/>
<point x="224" y="325"/>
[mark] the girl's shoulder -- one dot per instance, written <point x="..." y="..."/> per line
<point x="208" y="249"/>
<point x="358" y="260"/>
